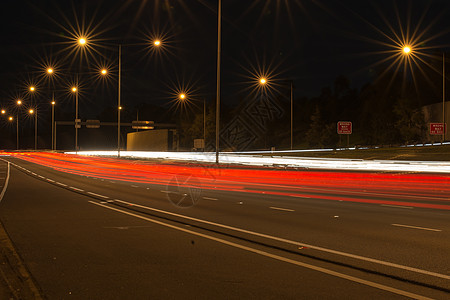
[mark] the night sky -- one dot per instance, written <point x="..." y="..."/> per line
<point x="309" y="42"/>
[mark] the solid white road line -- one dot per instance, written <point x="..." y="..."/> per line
<point x="279" y="208"/>
<point x="273" y="256"/>
<point x="354" y="256"/>
<point x="74" y="188"/>
<point x="416" y="227"/>
<point x="6" y="183"/>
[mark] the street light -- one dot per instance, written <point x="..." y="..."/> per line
<point x="156" y="43"/>
<point x="183" y="97"/>
<point x="19" y="103"/>
<point x="219" y="32"/>
<point x="34" y="111"/>
<point x="408" y="50"/>
<point x="82" y="41"/>
<point x="75" y="90"/>
<point x="263" y="81"/>
<point x="53" y="122"/>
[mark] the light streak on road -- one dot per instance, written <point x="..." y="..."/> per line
<point x="411" y="189"/>
<point x="291" y="162"/>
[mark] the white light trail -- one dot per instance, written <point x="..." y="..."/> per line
<point x="286" y="161"/>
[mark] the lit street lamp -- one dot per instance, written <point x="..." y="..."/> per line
<point x="156" y="43"/>
<point x="34" y="111"/>
<point x="53" y="122"/>
<point x="263" y="81"/>
<point x="219" y="32"/>
<point x="182" y="97"/>
<point x="19" y="103"/>
<point x="75" y="90"/>
<point x="408" y="50"/>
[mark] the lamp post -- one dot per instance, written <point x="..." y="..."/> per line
<point x="204" y="124"/>
<point x="407" y="50"/>
<point x="219" y="32"/>
<point x="19" y="102"/>
<point x="443" y="96"/>
<point x="53" y="121"/>
<point x="75" y="90"/>
<point x="118" y="100"/>
<point x="156" y="43"/>
<point x="34" y="111"/>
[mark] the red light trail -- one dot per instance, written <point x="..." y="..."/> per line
<point x="403" y="189"/>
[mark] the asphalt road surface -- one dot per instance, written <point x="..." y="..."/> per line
<point x="89" y="236"/>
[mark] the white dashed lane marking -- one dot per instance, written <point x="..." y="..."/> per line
<point x="416" y="227"/>
<point x="279" y="208"/>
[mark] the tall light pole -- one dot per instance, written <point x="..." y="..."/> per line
<point x="75" y="90"/>
<point x="204" y="124"/>
<point x="53" y="122"/>
<point x="34" y="111"/>
<point x="219" y="33"/>
<point x="292" y="112"/>
<point x="118" y="101"/>
<point x="407" y="50"/>
<point x="443" y="96"/>
<point x="19" y="103"/>
<point x="82" y="41"/>
<point x="156" y="43"/>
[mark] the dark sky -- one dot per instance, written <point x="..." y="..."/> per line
<point x="307" y="41"/>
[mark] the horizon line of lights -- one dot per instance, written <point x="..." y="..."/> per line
<point x="285" y="161"/>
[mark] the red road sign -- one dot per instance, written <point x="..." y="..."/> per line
<point x="344" y="127"/>
<point x="438" y="128"/>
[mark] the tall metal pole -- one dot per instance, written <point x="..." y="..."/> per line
<point x="35" y="129"/>
<point x="219" y="12"/>
<point x="17" y="130"/>
<point x="292" y="112"/>
<point x="53" y="121"/>
<point x="118" y="100"/>
<point x="204" y="125"/>
<point x="443" y="96"/>
<point x="76" y="117"/>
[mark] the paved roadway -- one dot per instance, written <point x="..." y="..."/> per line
<point x="81" y="237"/>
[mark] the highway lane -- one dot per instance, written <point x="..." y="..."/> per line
<point x="345" y="228"/>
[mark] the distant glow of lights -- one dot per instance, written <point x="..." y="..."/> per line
<point x="53" y="102"/>
<point x="74" y="89"/>
<point x="11" y="118"/>
<point x="32" y="88"/>
<point x="263" y="81"/>
<point x="182" y="96"/>
<point x="3" y="111"/>
<point x="120" y="107"/>
<point x="157" y="43"/>
<point x="104" y="71"/>
<point x="31" y="111"/>
<point x="19" y="102"/>
<point x="50" y="71"/>
<point x="406" y="49"/>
